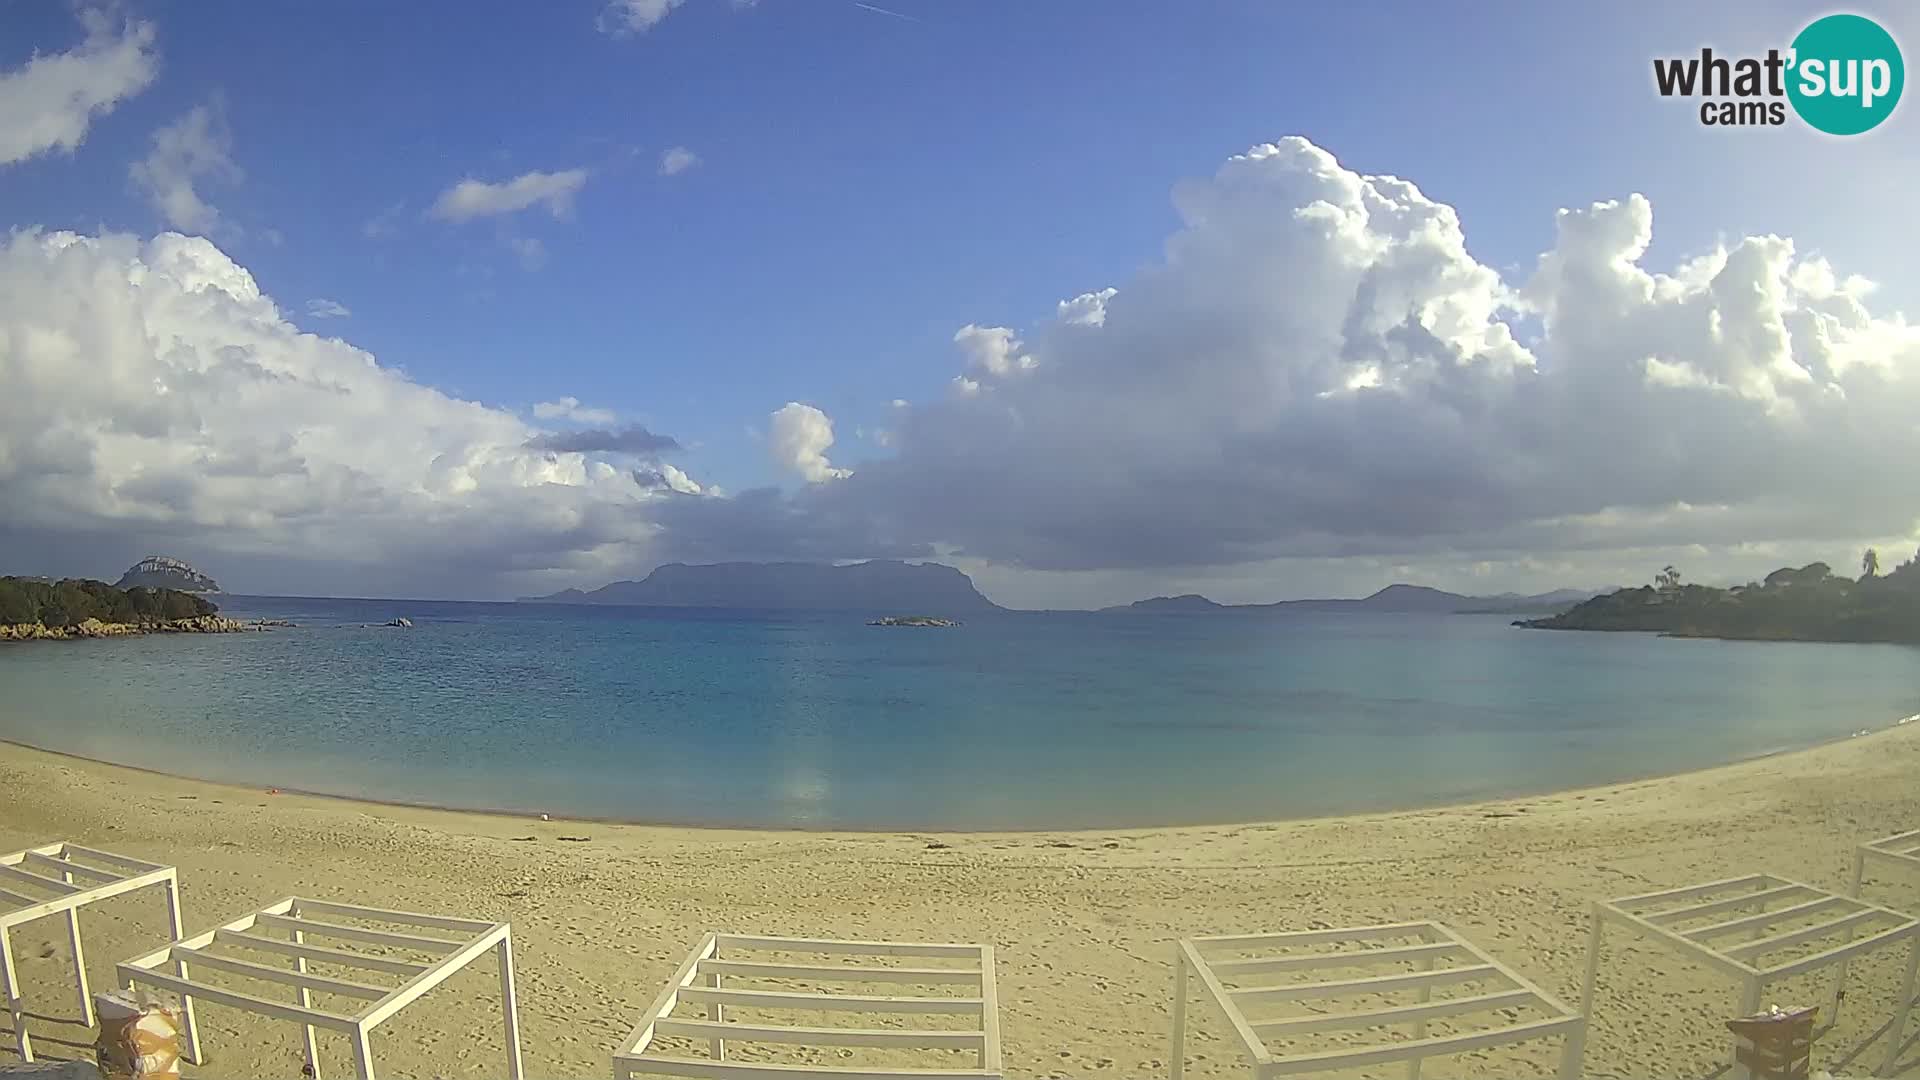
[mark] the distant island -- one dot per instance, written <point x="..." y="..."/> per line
<point x="1399" y="599"/>
<point x="912" y="620"/>
<point x="879" y="585"/>
<point x="1808" y="603"/>
<point x="32" y="609"/>
<point x="165" y="572"/>
<point x="892" y="585"/>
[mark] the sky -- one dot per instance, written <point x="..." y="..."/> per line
<point x="1093" y="300"/>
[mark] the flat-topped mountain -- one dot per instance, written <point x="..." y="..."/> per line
<point x="164" y="572"/>
<point x="879" y="585"/>
<point x="1400" y="599"/>
<point x="1184" y="604"/>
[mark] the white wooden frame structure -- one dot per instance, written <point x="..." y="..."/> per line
<point x="1691" y="919"/>
<point x="698" y="981"/>
<point x="295" y="916"/>
<point x="67" y="885"/>
<point x="1901" y="849"/>
<point x="1502" y="988"/>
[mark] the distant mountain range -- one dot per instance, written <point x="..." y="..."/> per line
<point x="1402" y="599"/>
<point x="164" y="572"/>
<point x="881" y="585"/>
<point x="885" y="585"/>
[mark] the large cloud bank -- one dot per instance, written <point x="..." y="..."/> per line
<point x="154" y="393"/>
<point x="1317" y="368"/>
<point x="1320" y="368"/>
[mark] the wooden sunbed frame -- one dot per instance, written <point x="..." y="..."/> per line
<point x="296" y="916"/>
<point x="1661" y="916"/>
<point x="698" y="981"/>
<point x="73" y="877"/>
<point x="1900" y="849"/>
<point x="1506" y="989"/>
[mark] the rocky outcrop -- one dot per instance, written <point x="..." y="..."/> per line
<point x="94" y="628"/>
<point x="912" y="620"/>
<point x="166" y="572"/>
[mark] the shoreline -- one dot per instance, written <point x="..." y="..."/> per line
<point x="1083" y="921"/>
<point x="888" y="830"/>
<point x="94" y="629"/>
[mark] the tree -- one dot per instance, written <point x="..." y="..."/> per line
<point x="1870" y="563"/>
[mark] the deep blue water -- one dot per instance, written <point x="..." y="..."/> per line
<point x="1014" y="720"/>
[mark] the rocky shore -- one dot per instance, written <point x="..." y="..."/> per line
<point x="94" y="628"/>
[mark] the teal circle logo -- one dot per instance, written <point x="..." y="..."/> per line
<point x="1846" y="74"/>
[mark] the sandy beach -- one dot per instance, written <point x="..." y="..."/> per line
<point x="1083" y="922"/>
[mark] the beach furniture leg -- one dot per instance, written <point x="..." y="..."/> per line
<point x="510" y="1004"/>
<point x="362" y="1054"/>
<point x="1903" y="1003"/>
<point x="717" y="1045"/>
<point x="1593" y="966"/>
<point x="10" y="982"/>
<point x="79" y="959"/>
<point x="305" y="998"/>
<point x="79" y="967"/>
<point x="1840" y="975"/>
<point x="1420" y="1026"/>
<point x="178" y="931"/>
<point x="1749" y="1004"/>
<point x="1575" y="1049"/>
<point x="1176" y="1058"/>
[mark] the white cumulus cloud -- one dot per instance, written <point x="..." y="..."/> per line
<point x="471" y="198"/>
<point x="1087" y="309"/>
<point x="993" y="349"/>
<point x="1317" y="375"/>
<point x="156" y="396"/>
<point x="798" y="437"/>
<point x="570" y="408"/>
<point x="676" y="160"/>
<point x="623" y="17"/>
<point x="1320" y="369"/>
<point x="196" y="146"/>
<point x="47" y="104"/>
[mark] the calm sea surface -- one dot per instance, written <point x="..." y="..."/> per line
<point x="1011" y="721"/>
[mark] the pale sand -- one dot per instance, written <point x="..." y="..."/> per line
<point x="1083" y="921"/>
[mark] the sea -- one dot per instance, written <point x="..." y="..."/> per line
<point x="1011" y="721"/>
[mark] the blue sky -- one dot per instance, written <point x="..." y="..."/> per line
<point x="868" y="183"/>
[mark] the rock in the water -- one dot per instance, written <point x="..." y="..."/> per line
<point x="912" y="620"/>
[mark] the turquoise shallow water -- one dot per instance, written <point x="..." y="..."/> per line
<point x="1012" y="721"/>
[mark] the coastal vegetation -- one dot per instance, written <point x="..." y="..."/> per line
<point x="56" y="604"/>
<point x="1807" y="603"/>
<point x="37" y="609"/>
